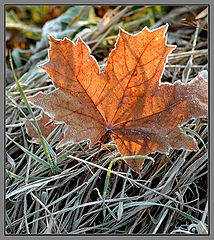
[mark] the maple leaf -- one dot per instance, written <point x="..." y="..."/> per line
<point x="45" y="124"/>
<point x="128" y="101"/>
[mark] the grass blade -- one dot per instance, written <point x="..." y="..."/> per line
<point x="149" y="204"/>
<point x="31" y="112"/>
<point x="43" y="162"/>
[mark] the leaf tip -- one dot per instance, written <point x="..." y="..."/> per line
<point x="121" y="29"/>
<point x="43" y="66"/>
<point x="51" y="38"/>
<point x="139" y="174"/>
<point x="163" y="29"/>
<point x="166" y="26"/>
<point x="80" y="41"/>
<point x="194" y="148"/>
<point x="122" y="32"/>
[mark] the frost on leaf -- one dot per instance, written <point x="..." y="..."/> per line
<point x="128" y="101"/>
<point x="45" y="124"/>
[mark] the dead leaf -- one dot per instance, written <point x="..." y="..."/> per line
<point x="127" y="100"/>
<point x="46" y="126"/>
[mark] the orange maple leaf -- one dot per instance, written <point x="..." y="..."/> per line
<point x="127" y="100"/>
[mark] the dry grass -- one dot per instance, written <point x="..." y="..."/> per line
<point x="94" y="195"/>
